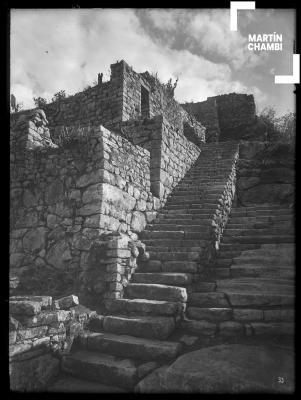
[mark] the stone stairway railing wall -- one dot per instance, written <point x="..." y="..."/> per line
<point x="221" y="215"/>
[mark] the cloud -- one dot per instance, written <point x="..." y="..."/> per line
<point x="54" y="50"/>
<point x="210" y="33"/>
<point x="58" y="49"/>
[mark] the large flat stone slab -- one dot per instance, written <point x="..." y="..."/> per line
<point x="102" y="368"/>
<point x="156" y="292"/>
<point x="232" y="368"/>
<point x="141" y="326"/>
<point x="130" y="346"/>
<point x="144" y="307"/>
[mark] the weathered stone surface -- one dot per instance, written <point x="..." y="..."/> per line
<point x="188" y="340"/>
<point x="101" y="368"/>
<point x="133" y="347"/>
<point x="77" y="385"/>
<point x="203" y="328"/>
<point x="33" y="374"/>
<point x="24" y="307"/>
<point x="273" y="328"/>
<point x="232" y="368"/>
<point x="247" y="314"/>
<point x="67" y="302"/>
<point x="209" y="314"/>
<point x="59" y="254"/>
<point x="34" y="240"/>
<point x="230" y="328"/>
<point x="280" y="174"/>
<point x="138" y="221"/>
<point x="147" y="327"/>
<point x="156" y="292"/>
<point x="208" y="300"/>
<point x="144" y="307"/>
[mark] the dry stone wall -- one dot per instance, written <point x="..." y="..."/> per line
<point x="206" y="112"/>
<point x="266" y="173"/>
<point x="171" y="153"/>
<point x="41" y="331"/>
<point x="65" y="196"/>
<point x="228" y="117"/>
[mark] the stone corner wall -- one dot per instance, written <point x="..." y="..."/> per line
<point x="64" y="197"/>
<point x="41" y="331"/>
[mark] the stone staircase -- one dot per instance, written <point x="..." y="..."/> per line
<point x="131" y="339"/>
<point x="250" y="288"/>
<point x="247" y="291"/>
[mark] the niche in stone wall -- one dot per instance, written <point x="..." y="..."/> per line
<point x="144" y="102"/>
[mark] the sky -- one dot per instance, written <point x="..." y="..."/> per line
<point x="65" y="49"/>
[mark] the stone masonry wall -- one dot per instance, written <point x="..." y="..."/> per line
<point x="206" y="112"/>
<point x="97" y="105"/>
<point x="266" y="173"/>
<point x="228" y="117"/>
<point x="118" y="100"/>
<point x="41" y="331"/>
<point x="161" y="102"/>
<point x="63" y="198"/>
<point x="171" y="153"/>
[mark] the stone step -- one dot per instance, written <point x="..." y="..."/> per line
<point x="259" y="206"/>
<point x="143" y="307"/>
<point x="206" y="216"/>
<point x="263" y="260"/>
<point x="171" y="249"/>
<point x="209" y="314"/>
<point x="238" y="246"/>
<point x="177" y="279"/>
<point x="256" y="285"/>
<point x="244" y="299"/>
<point x="273" y="328"/>
<point x="259" y="219"/>
<point x="259" y="239"/>
<point x="193" y="206"/>
<point x="176" y="256"/>
<point x="208" y="286"/>
<point x="175" y="227"/>
<point x="161" y="234"/>
<point x="208" y="300"/>
<point x="258" y="271"/>
<point x="70" y="384"/>
<point x="193" y="210"/>
<point x="199" y="328"/>
<point x="279" y="315"/>
<point x="263" y="232"/>
<point x="172" y="243"/>
<point x="222" y="262"/>
<point x="197" y="188"/>
<point x="228" y="254"/>
<point x="257" y="213"/>
<point x="131" y="346"/>
<point x="156" y="292"/>
<point x="169" y="220"/>
<point x="102" y="368"/>
<point x="140" y="326"/>
<point x="169" y="266"/>
<point x="261" y="225"/>
<point x="220" y="273"/>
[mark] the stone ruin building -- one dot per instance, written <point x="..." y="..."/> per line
<point x="139" y="227"/>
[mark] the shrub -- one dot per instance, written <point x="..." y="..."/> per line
<point x="40" y="102"/>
